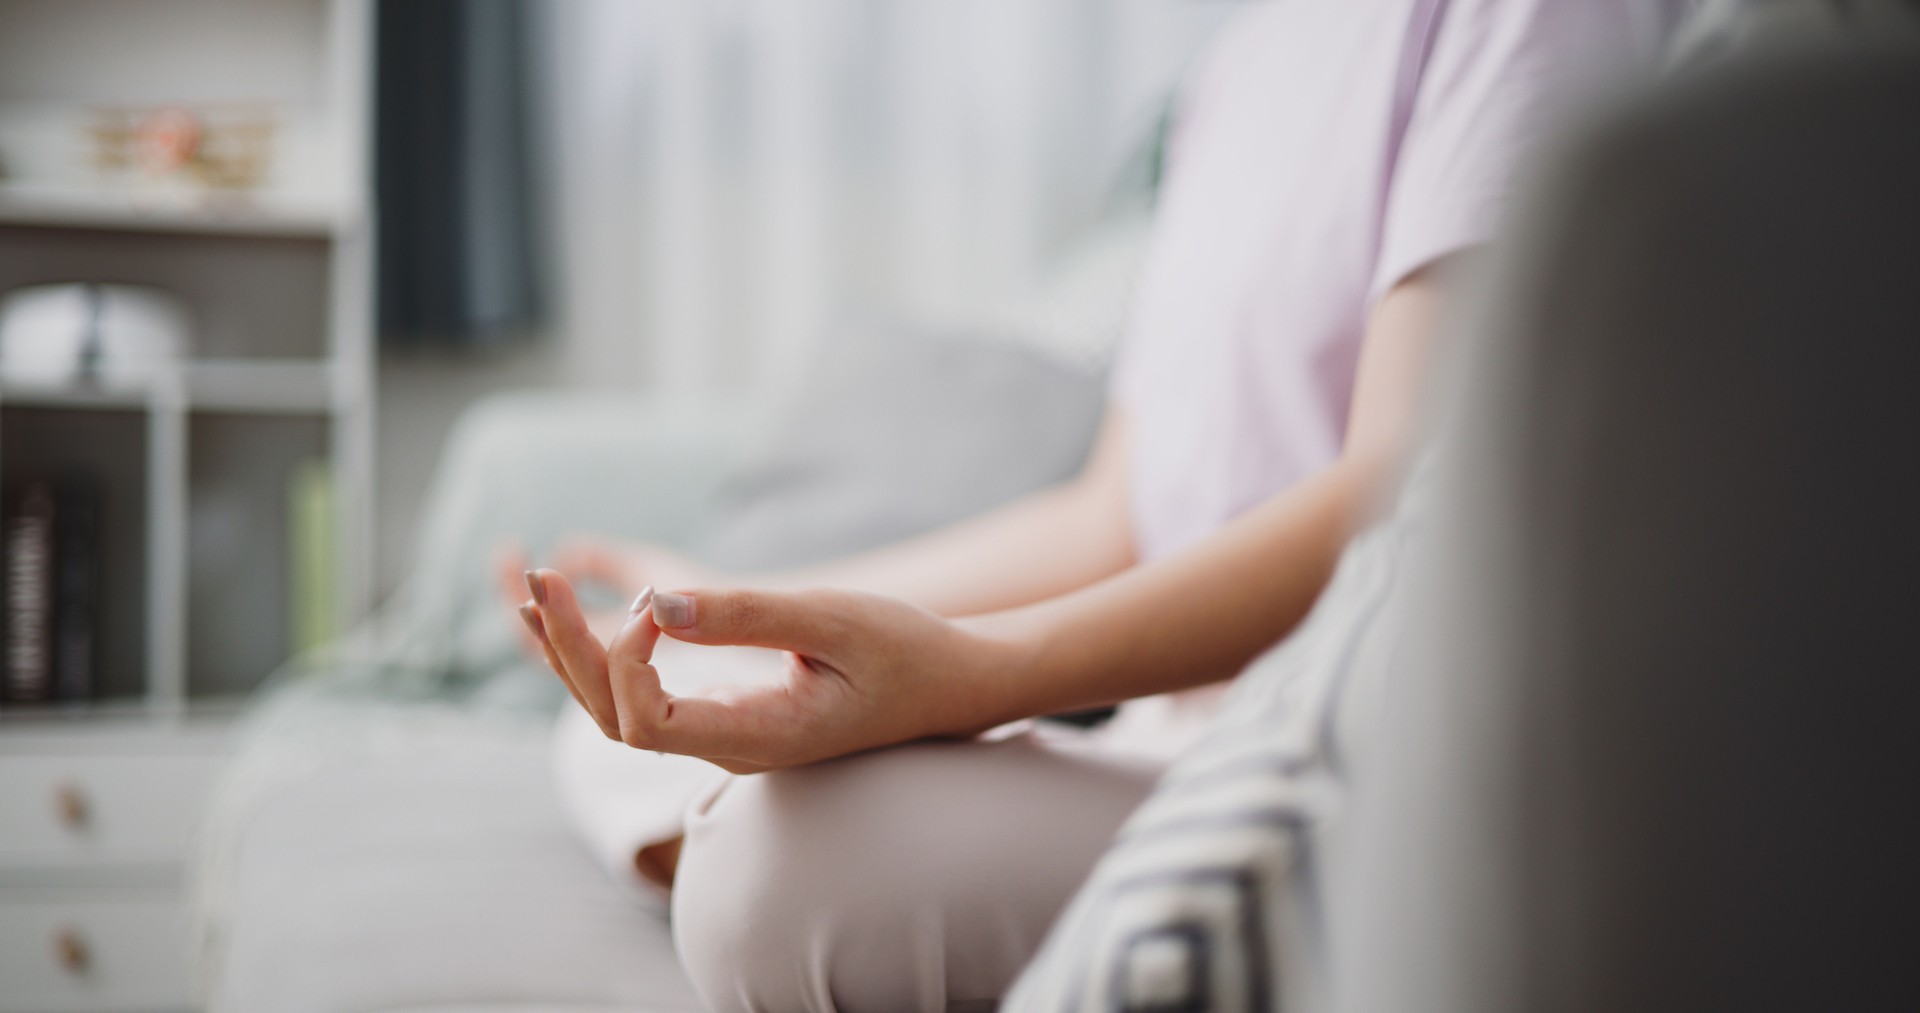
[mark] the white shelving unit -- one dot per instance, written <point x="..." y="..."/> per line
<point x="57" y="206"/>
<point x="278" y="279"/>
<point x="98" y="801"/>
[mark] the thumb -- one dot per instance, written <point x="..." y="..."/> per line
<point x="805" y="622"/>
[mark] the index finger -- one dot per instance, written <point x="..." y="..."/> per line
<point x="651" y="718"/>
<point x="736" y="728"/>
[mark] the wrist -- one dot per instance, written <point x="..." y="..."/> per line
<point x="1006" y="677"/>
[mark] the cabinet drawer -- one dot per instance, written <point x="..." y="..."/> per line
<point x="80" y="809"/>
<point x="101" y="953"/>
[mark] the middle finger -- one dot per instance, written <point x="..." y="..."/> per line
<point x="582" y="661"/>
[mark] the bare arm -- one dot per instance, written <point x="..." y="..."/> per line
<point x="868" y="670"/>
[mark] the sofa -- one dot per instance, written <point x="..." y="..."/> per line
<point x="387" y="836"/>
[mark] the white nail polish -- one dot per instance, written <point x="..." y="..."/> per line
<point x="641" y="602"/>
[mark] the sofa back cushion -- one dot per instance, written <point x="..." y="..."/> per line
<point x="897" y="431"/>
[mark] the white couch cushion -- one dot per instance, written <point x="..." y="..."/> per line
<point x="429" y="866"/>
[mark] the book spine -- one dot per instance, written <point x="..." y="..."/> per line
<point x="77" y="584"/>
<point x="29" y="594"/>
<point x="310" y="526"/>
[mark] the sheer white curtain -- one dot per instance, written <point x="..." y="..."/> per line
<point x="732" y="173"/>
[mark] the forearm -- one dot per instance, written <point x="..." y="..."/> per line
<point x="1043" y="545"/>
<point x="1191" y="619"/>
<point x="868" y="671"/>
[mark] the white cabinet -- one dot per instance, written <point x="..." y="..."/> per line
<point x="97" y="816"/>
<point x="234" y="480"/>
<point x="67" y="811"/>
<point x="73" y="951"/>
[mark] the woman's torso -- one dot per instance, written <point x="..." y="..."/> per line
<point x="1247" y="324"/>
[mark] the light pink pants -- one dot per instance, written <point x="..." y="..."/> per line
<point x="921" y="877"/>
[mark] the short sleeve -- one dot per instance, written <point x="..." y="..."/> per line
<point x="1493" y="79"/>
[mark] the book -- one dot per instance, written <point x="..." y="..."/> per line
<point x="28" y="543"/>
<point x="77" y="581"/>
<point x="310" y="526"/>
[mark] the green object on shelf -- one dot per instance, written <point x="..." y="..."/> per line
<point x="310" y="532"/>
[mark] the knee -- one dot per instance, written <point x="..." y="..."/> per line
<point x="893" y="880"/>
<point x="744" y="917"/>
<point x="782" y="901"/>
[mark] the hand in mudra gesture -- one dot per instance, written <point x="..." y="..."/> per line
<point x="862" y="671"/>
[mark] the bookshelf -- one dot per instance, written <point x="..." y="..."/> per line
<point x="201" y="465"/>
<point x="226" y="478"/>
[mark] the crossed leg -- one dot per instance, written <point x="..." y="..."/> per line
<point x="921" y="877"/>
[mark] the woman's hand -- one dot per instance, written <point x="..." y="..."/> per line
<point x="623" y="566"/>
<point x="863" y="671"/>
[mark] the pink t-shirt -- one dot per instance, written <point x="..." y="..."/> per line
<point x="1323" y="151"/>
<point x="1294" y="201"/>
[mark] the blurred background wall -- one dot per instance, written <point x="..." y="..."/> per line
<point x="720" y="180"/>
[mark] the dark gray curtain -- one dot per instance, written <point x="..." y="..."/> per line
<point x="459" y="250"/>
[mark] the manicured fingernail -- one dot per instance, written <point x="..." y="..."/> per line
<point x="672" y="610"/>
<point x="531" y="616"/>
<point x="538" y="587"/>
<point x="646" y="596"/>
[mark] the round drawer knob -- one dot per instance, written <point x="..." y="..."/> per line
<point x="70" y="948"/>
<point x="71" y="804"/>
